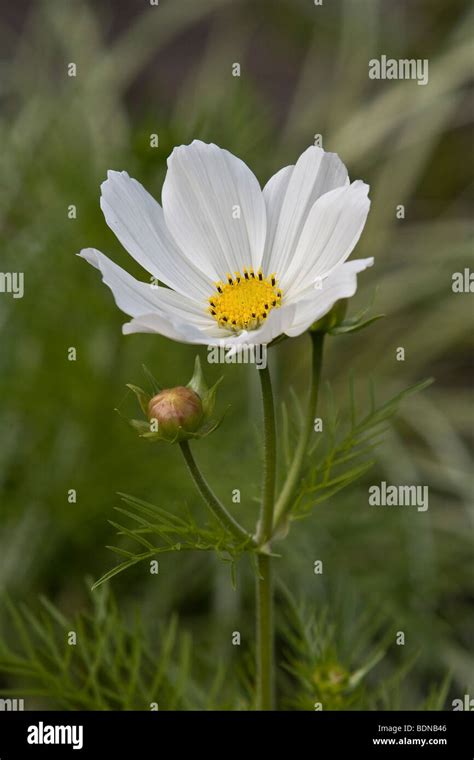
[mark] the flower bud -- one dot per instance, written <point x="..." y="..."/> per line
<point x="331" y="678"/>
<point x="176" y="410"/>
<point x="177" y="414"/>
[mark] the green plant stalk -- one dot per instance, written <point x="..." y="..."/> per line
<point x="264" y="585"/>
<point x="216" y="507"/>
<point x="284" y="502"/>
<point x="265" y="636"/>
<point x="265" y="526"/>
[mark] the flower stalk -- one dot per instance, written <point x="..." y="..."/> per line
<point x="265" y="635"/>
<point x="265" y="526"/>
<point x="284" y="501"/>
<point x="264" y="582"/>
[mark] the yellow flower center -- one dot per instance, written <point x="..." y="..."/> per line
<point x="244" y="301"/>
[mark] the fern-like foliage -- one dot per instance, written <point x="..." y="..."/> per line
<point x="120" y="665"/>
<point x="112" y="665"/>
<point x="345" y="456"/>
<point x="157" y="531"/>
<point x="327" y="671"/>
<point x="344" y="452"/>
<point x="321" y="676"/>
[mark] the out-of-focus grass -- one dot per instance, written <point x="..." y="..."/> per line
<point x="304" y="71"/>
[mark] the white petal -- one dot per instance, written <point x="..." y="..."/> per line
<point x="204" y="189"/>
<point x="279" y="321"/>
<point x="137" y="220"/>
<point x="332" y="229"/>
<point x="315" y="303"/>
<point x="274" y="195"/>
<point x="167" y="326"/>
<point x="293" y="191"/>
<point x="137" y="298"/>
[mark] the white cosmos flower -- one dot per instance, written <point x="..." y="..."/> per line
<point x="241" y="265"/>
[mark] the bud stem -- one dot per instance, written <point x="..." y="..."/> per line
<point x="216" y="507"/>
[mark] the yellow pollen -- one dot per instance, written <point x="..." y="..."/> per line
<point x="243" y="301"/>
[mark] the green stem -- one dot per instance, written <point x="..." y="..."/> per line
<point x="265" y="655"/>
<point x="265" y="526"/>
<point x="264" y="587"/>
<point x="216" y="507"/>
<point x="284" y="502"/>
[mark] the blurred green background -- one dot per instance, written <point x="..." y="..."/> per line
<point x="304" y="71"/>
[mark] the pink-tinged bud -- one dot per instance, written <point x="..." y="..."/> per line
<point x="175" y="408"/>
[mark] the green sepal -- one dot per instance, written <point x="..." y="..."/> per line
<point x="210" y="425"/>
<point x="142" y="396"/>
<point x="199" y="386"/>
<point x="354" y="325"/>
<point x="332" y="318"/>
<point x="155" y="386"/>
<point x="209" y="399"/>
<point x="140" y="426"/>
<point x="197" y="382"/>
